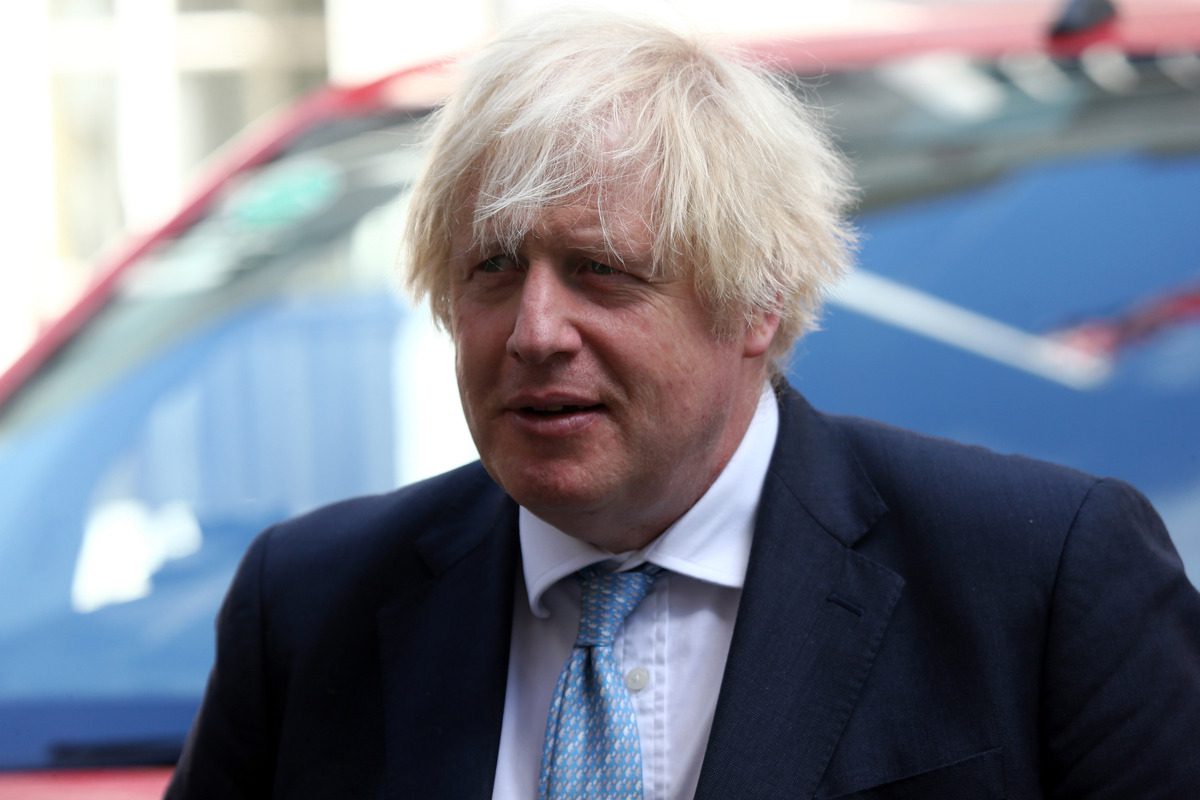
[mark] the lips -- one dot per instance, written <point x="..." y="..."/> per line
<point x="553" y="410"/>
<point x="553" y="415"/>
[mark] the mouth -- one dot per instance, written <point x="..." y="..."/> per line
<point x="551" y="411"/>
<point x="555" y="417"/>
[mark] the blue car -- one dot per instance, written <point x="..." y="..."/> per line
<point x="1030" y="282"/>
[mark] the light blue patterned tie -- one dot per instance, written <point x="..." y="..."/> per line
<point x="592" y="750"/>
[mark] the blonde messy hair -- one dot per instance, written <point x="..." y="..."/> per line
<point x="747" y="195"/>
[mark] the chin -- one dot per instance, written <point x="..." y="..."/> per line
<point x="549" y="500"/>
<point x="551" y="492"/>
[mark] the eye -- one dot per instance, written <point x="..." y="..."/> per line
<point x="498" y="263"/>
<point x="597" y="268"/>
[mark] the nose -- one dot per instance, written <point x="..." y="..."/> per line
<point x="545" y="323"/>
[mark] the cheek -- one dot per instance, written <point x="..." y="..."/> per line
<point x="461" y="369"/>
<point x="474" y="364"/>
<point x="676" y="390"/>
<point x="476" y="335"/>
<point x="685" y="354"/>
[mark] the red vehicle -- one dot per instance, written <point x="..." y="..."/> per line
<point x="1030" y="282"/>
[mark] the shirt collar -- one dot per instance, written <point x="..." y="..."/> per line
<point x="711" y="542"/>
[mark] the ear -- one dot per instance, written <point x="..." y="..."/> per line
<point x="759" y="334"/>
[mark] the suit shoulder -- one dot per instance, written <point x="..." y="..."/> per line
<point x="892" y="450"/>
<point x="969" y="484"/>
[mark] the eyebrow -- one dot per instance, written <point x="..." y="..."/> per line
<point x="589" y="236"/>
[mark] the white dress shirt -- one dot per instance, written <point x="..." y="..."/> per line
<point x="672" y="647"/>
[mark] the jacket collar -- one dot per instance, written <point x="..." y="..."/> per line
<point x="811" y="619"/>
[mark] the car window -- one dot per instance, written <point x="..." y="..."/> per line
<point x="1030" y="280"/>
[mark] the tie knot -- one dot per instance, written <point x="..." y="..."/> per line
<point x="608" y="598"/>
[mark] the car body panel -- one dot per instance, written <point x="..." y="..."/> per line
<point x="90" y="784"/>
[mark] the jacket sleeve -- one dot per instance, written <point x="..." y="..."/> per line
<point x="1121" y="681"/>
<point x="229" y="751"/>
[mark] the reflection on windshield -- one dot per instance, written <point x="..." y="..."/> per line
<point x="124" y="545"/>
<point x="923" y="313"/>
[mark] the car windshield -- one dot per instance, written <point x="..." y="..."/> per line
<point x="1029" y="283"/>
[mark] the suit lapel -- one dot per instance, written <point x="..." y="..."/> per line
<point x="812" y="615"/>
<point x="444" y="649"/>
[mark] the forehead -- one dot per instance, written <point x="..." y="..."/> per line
<point x="615" y="215"/>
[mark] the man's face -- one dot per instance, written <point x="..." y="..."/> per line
<point x="599" y="397"/>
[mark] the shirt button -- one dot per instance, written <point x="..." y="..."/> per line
<point x="637" y="678"/>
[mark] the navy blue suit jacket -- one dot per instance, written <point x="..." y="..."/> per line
<point x="920" y="619"/>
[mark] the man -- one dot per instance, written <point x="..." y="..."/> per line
<point x="624" y="233"/>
